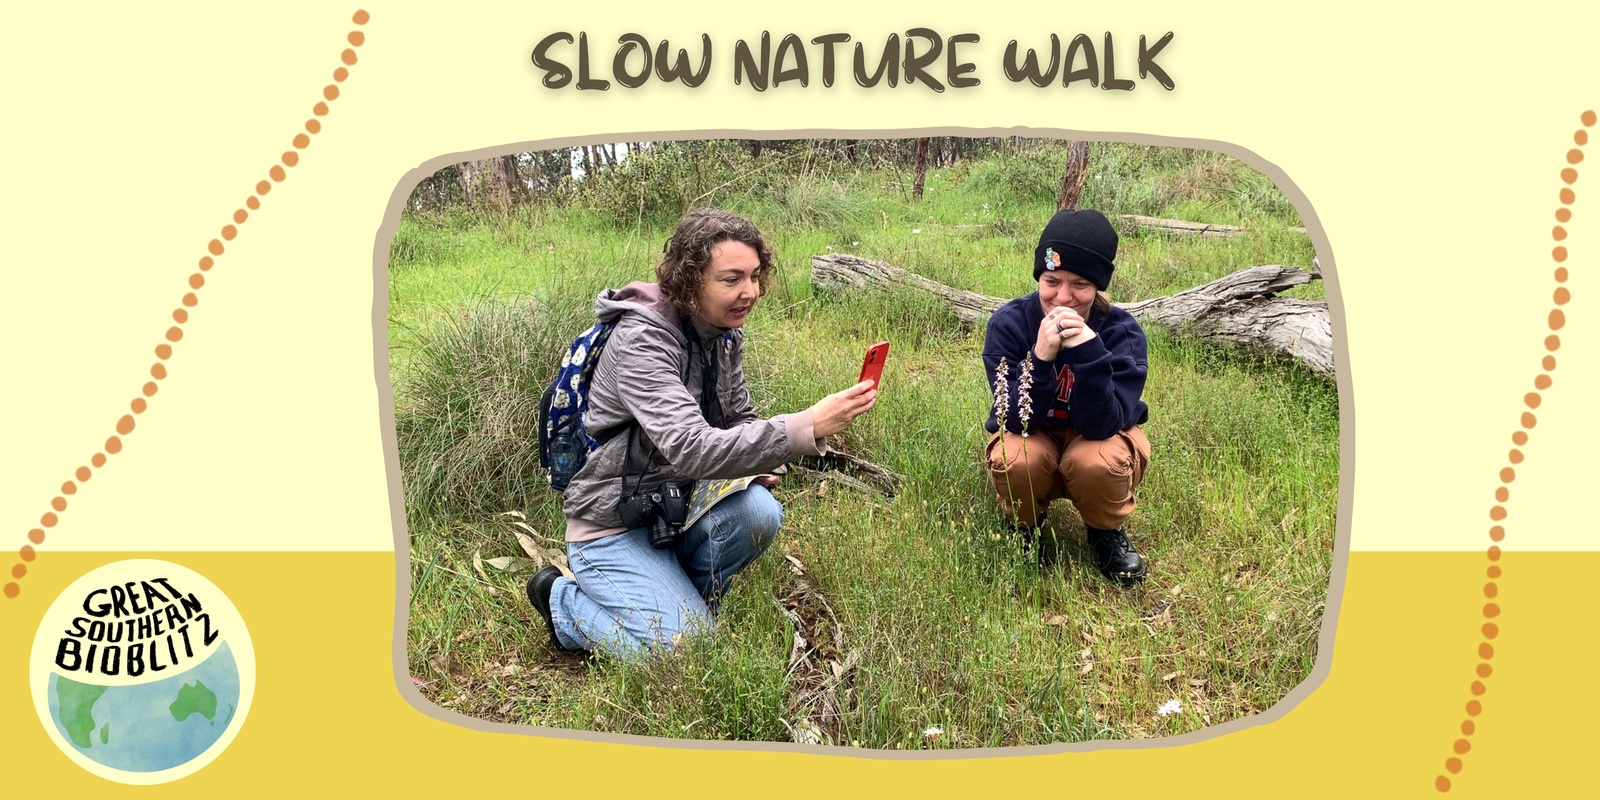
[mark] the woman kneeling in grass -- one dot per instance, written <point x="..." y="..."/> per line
<point x="670" y="389"/>
<point x="1067" y="369"/>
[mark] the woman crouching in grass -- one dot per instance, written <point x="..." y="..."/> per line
<point x="1067" y="370"/>
<point x="669" y="389"/>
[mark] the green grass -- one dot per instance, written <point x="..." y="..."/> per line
<point x="944" y="623"/>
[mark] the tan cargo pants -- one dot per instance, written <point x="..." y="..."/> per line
<point x="1098" y="477"/>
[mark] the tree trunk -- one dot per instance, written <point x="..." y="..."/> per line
<point x="535" y="177"/>
<point x="1072" y="178"/>
<point x="920" y="167"/>
<point x="492" y="182"/>
<point x="1241" y="309"/>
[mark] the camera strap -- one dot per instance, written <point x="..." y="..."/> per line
<point x="710" y="406"/>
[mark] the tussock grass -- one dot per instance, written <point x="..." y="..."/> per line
<point x="467" y="410"/>
<point x="952" y="628"/>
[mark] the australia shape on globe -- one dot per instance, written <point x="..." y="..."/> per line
<point x="153" y="726"/>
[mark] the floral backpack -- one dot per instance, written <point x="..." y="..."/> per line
<point x="564" y="443"/>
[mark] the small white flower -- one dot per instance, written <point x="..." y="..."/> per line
<point x="932" y="731"/>
<point x="855" y="244"/>
<point x="916" y="230"/>
<point x="1170" y="707"/>
<point x="562" y="399"/>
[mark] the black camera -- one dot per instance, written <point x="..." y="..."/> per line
<point x="660" y="509"/>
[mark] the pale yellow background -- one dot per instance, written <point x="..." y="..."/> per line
<point x="1428" y="146"/>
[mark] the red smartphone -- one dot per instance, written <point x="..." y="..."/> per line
<point x="872" y="365"/>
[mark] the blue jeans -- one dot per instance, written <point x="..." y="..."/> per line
<point x="628" y="595"/>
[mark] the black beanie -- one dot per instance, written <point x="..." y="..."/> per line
<point x="1078" y="241"/>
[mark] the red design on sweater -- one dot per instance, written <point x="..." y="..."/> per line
<point x="1058" y="410"/>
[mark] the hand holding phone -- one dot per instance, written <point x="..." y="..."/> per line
<point x="872" y="365"/>
<point x="834" y="413"/>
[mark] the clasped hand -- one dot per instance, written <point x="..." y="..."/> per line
<point x="1062" y="327"/>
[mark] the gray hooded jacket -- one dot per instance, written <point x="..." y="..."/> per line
<point x="645" y="374"/>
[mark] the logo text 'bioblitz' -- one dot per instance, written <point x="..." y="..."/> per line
<point x="142" y="671"/>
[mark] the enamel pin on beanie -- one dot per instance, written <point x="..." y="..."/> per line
<point x="1082" y="242"/>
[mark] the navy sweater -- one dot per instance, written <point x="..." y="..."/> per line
<point x="1094" y="387"/>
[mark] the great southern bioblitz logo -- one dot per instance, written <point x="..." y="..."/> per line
<point x="142" y="671"/>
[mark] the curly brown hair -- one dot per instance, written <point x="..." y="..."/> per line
<point x="686" y="255"/>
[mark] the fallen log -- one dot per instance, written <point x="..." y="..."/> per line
<point x="1183" y="227"/>
<point x="1242" y="309"/>
<point x="840" y="271"/>
<point x="1186" y="228"/>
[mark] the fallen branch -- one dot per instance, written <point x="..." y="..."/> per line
<point x="854" y="471"/>
<point x="820" y="667"/>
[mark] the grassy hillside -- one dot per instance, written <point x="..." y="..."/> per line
<point x="938" y="631"/>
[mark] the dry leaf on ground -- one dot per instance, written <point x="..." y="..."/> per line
<point x="512" y="564"/>
<point x="1162" y="619"/>
<point x="450" y="667"/>
<point x="527" y="542"/>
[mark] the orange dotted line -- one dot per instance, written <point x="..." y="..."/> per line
<point x="158" y="370"/>
<point x="1491" y="590"/>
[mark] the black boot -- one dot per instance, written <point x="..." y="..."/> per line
<point x="539" y="587"/>
<point x="1115" y="557"/>
<point x="1030" y="536"/>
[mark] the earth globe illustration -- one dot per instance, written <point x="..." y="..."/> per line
<point x="148" y="727"/>
<point x="142" y="671"/>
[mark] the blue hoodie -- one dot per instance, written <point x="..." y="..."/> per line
<point x="1094" y="387"/>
